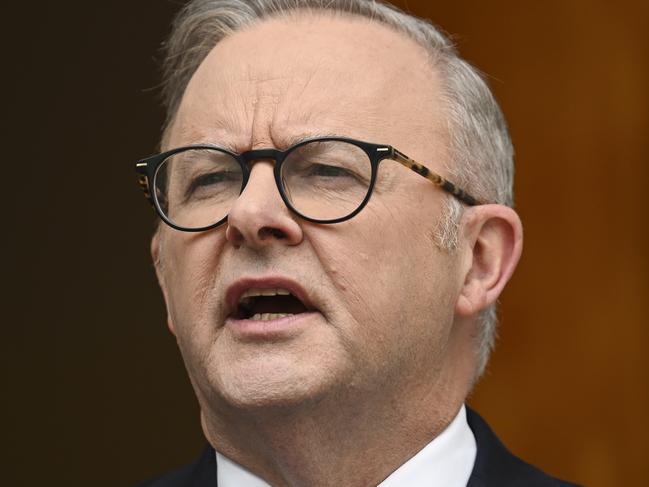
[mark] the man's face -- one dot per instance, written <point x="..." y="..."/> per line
<point x="380" y="294"/>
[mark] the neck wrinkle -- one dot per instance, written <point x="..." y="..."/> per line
<point x="321" y="445"/>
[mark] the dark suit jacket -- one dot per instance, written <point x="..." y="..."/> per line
<point x="494" y="466"/>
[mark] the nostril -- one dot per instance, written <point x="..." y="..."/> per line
<point x="266" y="232"/>
<point x="233" y="235"/>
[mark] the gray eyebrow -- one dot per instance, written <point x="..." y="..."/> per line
<point x="290" y="141"/>
<point x="282" y="142"/>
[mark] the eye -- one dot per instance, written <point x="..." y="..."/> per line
<point x="329" y="166"/>
<point x="328" y="171"/>
<point x="214" y="178"/>
<point x="206" y="185"/>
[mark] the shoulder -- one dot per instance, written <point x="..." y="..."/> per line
<point x="496" y="466"/>
<point x="198" y="474"/>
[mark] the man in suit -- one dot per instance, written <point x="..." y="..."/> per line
<point x="335" y="190"/>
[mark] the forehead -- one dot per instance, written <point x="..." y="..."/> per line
<point x="308" y="74"/>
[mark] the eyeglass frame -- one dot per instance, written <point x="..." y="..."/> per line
<point x="146" y="169"/>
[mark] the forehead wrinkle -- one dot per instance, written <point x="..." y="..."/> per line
<point x="210" y="116"/>
<point x="280" y="89"/>
<point x="288" y="109"/>
<point x="306" y="93"/>
<point x="317" y="108"/>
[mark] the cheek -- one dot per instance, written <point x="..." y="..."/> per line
<point x="380" y="262"/>
<point x="190" y="268"/>
<point x="394" y="273"/>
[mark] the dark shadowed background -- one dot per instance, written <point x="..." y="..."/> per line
<point x="96" y="393"/>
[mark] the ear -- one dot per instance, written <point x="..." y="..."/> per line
<point x="493" y="240"/>
<point x="156" y="252"/>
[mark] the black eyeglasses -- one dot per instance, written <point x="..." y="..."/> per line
<point x="323" y="180"/>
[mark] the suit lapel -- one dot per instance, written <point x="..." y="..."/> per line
<point x="495" y="466"/>
<point x="204" y="474"/>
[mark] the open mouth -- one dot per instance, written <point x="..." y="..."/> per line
<point x="268" y="304"/>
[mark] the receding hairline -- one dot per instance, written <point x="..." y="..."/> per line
<point x="315" y="15"/>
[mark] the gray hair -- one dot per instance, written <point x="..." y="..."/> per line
<point x="481" y="153"/>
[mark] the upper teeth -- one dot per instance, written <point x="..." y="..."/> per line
<point x="252" y="292"/>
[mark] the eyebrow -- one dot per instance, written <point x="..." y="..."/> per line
<point x="291" y="140"/>
<point x="282" y="142"/>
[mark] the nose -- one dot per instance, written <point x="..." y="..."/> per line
<point x="259" y="217"/>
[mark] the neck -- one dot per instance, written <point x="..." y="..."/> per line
<point x="357" y="440"/>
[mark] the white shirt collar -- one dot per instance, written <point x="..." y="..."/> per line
<point x="230" y="474"/>
<point x="447" y="461"/>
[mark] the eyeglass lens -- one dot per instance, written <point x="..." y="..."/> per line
<point x="322" y="180"/>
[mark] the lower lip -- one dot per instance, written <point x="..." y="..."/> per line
<point x="270" y="329"/>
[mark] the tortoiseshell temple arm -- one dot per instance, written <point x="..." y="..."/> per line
<point x="143" y="180"/>
<point x="434" y="178"/>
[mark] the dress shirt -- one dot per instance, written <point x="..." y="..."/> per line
<point x="447" y="461"/>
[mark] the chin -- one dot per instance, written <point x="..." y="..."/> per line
<point x="266" y="397"/>
<point x="273" y="381"/>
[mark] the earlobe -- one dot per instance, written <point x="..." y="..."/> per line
<point x="493" y="235"/>
<point x="170" y="324"/>
<point x="156" y="252"/>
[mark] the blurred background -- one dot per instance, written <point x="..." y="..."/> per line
<point x="96" y="393"/>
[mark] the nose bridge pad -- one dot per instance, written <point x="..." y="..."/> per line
<point x="269" y="156"/>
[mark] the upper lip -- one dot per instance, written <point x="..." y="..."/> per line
<point x="237" y="288"/>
